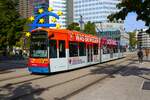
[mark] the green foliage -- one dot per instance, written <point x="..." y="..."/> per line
<point x="11" y="25"/>
<point x="132" y="39"/>
<point x="140" y="7"/>
<point x="89" y="28"/>
<point x="73" y="26"/>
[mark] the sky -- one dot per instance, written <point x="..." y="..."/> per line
<point x="131" y="24"/>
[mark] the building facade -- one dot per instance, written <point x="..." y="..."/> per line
<point x="37" y="4"/>
<point x="25" y="8"/>
<point x="143" y="40"/>
<point x="124" y="42"/>
<point x="94" y="10"/>
<point x="70" y="11"/>
<point x="97" y="11"/>
<point x="60" y="5"/>
<point x="28" y="8"/>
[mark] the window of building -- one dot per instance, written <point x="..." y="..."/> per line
<point x="95" y="49"/>
<point x="53" y="49"/>
<point x="62" y="50"/>
<point x="82" y="49"/>
<point x="73" y="49"/>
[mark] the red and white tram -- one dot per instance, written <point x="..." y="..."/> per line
<point x="54" y="50"/>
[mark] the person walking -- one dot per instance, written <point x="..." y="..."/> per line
<point x="147" y="53"/>
<point x="140" y="56"/>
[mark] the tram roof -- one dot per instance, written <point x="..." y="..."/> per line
<point x="65" y="31"/>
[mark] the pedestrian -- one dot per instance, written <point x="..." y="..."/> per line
<point x="147" y="53"/>
<point x="20" y="54"/>
<point x="140" y="56"/>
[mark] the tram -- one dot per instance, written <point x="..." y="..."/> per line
<point x="53" y="50"/>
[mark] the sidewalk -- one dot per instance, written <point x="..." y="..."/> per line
<point x="8" y="58"/>
<point x="8" y="63"/>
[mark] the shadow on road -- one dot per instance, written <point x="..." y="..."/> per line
<point x="132" y="69"/>
<point x="20" y="92"/>
<point x="7" y="63"/>
<point x="145" y="60"/>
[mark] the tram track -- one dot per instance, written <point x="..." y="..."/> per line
<point x="25" y="81"/>
<point x="14" y="77"/>
<point x="29" y="80"/>
<point x="62" y="83"/>
<point x="25" y="75"/>
<point x="4" y="71"/>
<point x="69" y="95"/>
<point x="90" y="84"/>
<point x="7" y="71"/>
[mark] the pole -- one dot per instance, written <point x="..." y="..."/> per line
<point x="99" y="37"/>
<point x="99" y="31"/>
<point x="81" y="22"/>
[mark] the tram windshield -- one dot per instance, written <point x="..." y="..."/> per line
<point x="38" y="46"/>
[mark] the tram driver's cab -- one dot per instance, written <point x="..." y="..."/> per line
<point x="38" y="61"/>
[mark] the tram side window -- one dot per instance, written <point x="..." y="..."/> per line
<point x="53" y="48"/>
<point x="115" y="50"/>
<point x="105" y="50"/>
<point x="82" y="49"/>
<point x="62" y="50"/>
<point x="95" y="49"/>
<point x="73" y="49"/>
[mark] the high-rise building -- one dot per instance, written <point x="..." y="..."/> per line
<point x="25" y="8"/>
<point x="94" y="10"/>
<point x="60" y="5"/>
<point x="97" y="11"/>
<point x="37" y="4"/>
<point x="28" y="8"/>
<point x="70" y="11"/>
<point x="143" y="39"/>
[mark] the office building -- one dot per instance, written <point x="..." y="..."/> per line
<point x="143" y="39"/>
<point x="60" y="5"/>
<point x="25" y="8"/>
<point x="28" y="8"/>
<point x="95" y="11"/>
<point x="37" y="4"/>
<point x="70" y="12"/>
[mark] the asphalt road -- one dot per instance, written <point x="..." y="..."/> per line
<point x="116" y="80"/>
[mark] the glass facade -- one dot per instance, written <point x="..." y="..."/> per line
<point x="55" y="4"/>
<point x="60" y="5"/>
<point x="37" y="4"/>
<point x="94" y="10"/>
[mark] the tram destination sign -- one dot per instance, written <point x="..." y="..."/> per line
<point x="83" y="38"/>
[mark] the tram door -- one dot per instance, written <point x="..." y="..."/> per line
<point x="58" y="60"/>
<point x="89" y="53"/>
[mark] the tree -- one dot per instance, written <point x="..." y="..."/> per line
<point x="132" y="39"/>
<point x="89" y="28"/>
<point x="140" y="7"/>
<point x="73" y="26"/>
<point x="11" y="24"/>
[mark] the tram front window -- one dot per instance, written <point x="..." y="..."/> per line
<point x="38" y="46"/>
